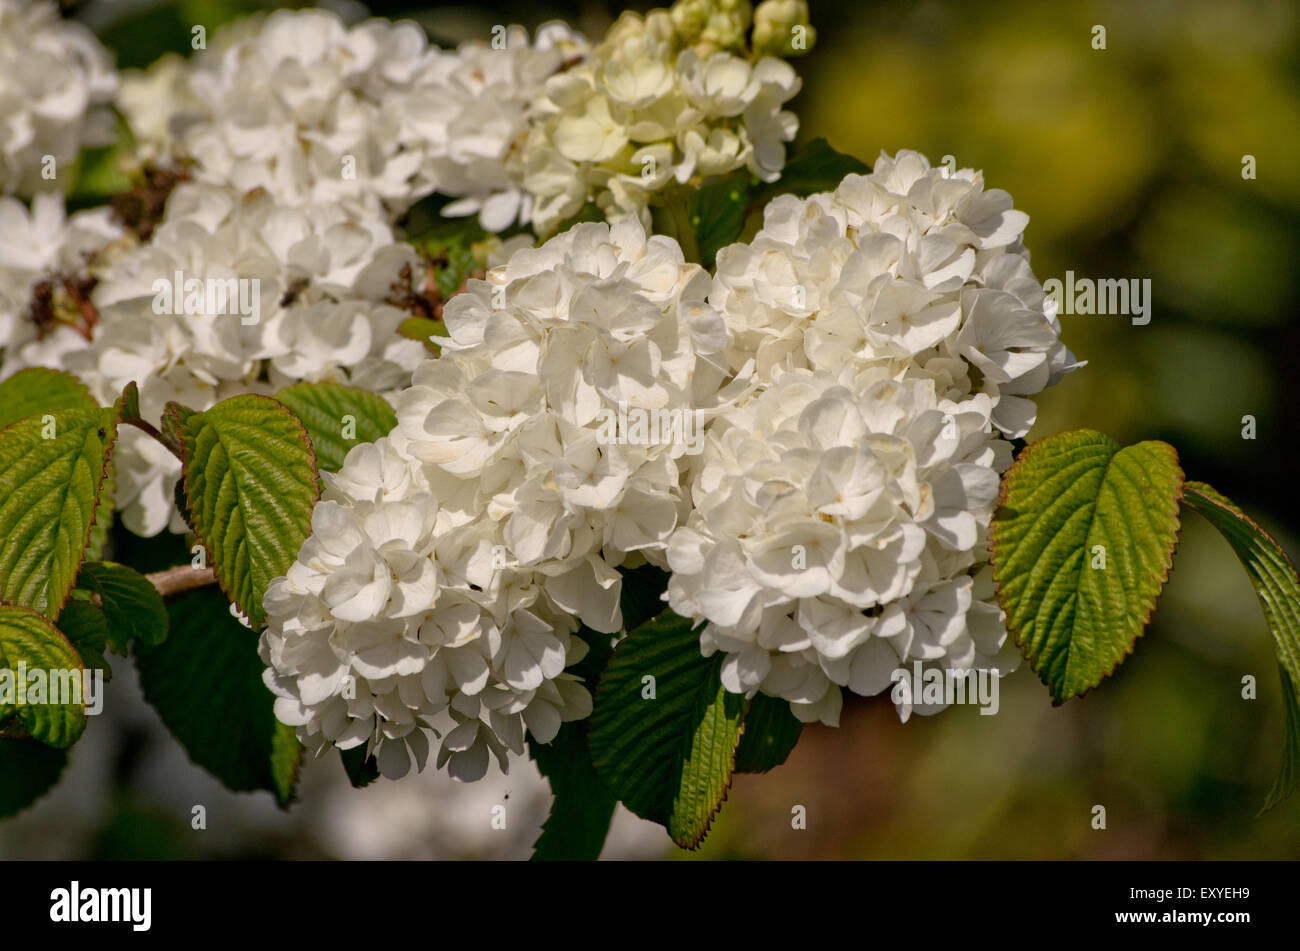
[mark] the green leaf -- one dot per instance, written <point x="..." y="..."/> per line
<point x="174" y="419"/>
<point x="250" y="482"/>
<point x="670" y="758"/>
<point x="1275" y="581"/>
<point x="205" y="681"/>
<point x="337" y="418"/>
<point x="583" y="806"/>
<point x="447" y="243"/>
<point x="710" y="760"/>
<point x="422" y="329"/>
<point x="28" y="771"/>
<point x="1081" y="543"/>
<point x="362" y="770"/>
<point x="102" y="526"/>
<point x="132" y="605"/>
<point x="37" y="391"/>
<point x="100" y="173"/>
<point x="642" y="596"/>
<point x="86" y="629"/>
<point x="717" y="213"/>
<point x="815" y="168"/>
<point x="771" y="732"/>
<point x="129" y="402"/>
<point x="52" y="469"/>
<point x="28" y="639"/>
<point x="580" y="815"/>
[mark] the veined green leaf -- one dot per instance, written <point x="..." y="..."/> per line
<point x="86" y="629"/>
<point x="205" y="681"/>
<point x="771" y="732"/>
<point x="250" y="481"/>
<point x="664" y="732"/>
<point x="131" y="604"/>
<point x="1275" y="581"/>
<point x="37" y="391"/>
<point x="337" y="418"/>
<point x="817" y="167"/>
<point x="582" y="809"/>
<point x="717" y="213"/>
<point x="30" y="646"/>
<point x="1082" y="543"/>
<point x="52" y="468"/>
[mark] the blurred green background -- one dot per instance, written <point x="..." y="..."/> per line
<point x="1129" y="162"/>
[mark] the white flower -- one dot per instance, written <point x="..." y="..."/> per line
<point x="467" y="116"/>
<point x="49" y="263"/>
<point x="908" y="268"/>
<point x="56" y="82"/>
<point x="157" y="105"/>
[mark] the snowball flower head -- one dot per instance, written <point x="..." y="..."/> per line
<point x="56" y="82"/>
<point x="909" y="268"/>
<point x="468" y="115"/>
<point x="840" y="514"/>
<point x="451" y="563"/>
<point x="838" y="532"/>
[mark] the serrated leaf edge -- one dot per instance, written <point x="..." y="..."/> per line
<point x="185" y="480"/>
<point x="1162" y="575"/>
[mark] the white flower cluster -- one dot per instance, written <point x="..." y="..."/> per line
<point x="839" y="520"/>
<point x="48" y="262"/>
<point x="55" y="83"/>
<point x="908" y="267"/>
<point x="810" y="441"/>
<point x="469" y="116"/>
<point x="451" y="563"/>
<point x="835" y="527"/>
<point x="268" y="295"/>
<point x="374" y="117"/>
<point x="646" y="111"/>
<point x="369" y="117"/>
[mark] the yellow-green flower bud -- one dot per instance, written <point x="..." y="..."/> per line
<point x="781" y="28"/>
<point x="713" y="25"/>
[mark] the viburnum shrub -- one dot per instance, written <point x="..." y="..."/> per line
<point x="533" y="398"/>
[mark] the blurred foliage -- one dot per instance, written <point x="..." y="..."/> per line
<point x="1129" y="163"/>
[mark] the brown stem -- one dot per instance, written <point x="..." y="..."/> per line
<point x="149" y="428"/>
<point x="180" y="579"/>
